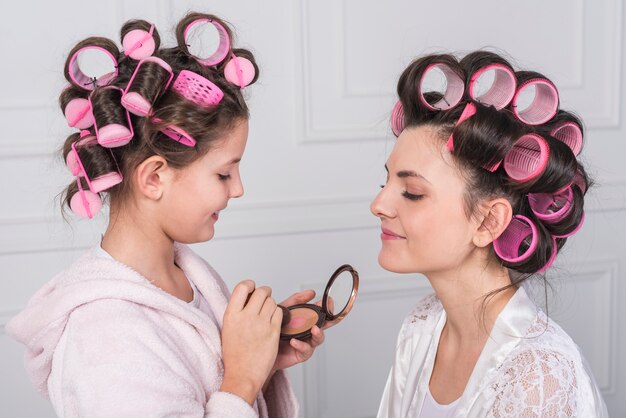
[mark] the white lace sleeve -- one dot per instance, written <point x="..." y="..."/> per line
<point x="536" y="383"/>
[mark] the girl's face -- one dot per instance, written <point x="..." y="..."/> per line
<point x="421" y="207"/>
<point x="201" y="190"/>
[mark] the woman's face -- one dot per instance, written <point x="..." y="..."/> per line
<point x="421" y="207"/>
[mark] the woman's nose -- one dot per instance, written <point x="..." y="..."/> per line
<point x="381" y="206"/>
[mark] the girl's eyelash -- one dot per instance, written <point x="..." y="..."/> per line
<point x="411" y="196"/>
<point x="224" y="177"/>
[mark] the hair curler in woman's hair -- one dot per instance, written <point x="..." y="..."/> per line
<point x="139" y="39"/>
<point x="397" y="119"/>
<point x="502" y="89"/>
<point x="454" y="87"/>
<point x="552" y="207"/>
<point x="528" y="158"/>
<point x="94" y="45"/>
<point x="151" y="78"/>
<point x="112" y="121"/>
<point x="518" y="241"/>
<point x="197" y="89"/>
<point x="545" y="102"/>
<point x="567" y="128"/>
<point x="76" y="108"/>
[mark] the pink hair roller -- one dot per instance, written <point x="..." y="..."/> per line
<point x="223" y="48"/>
<point x="397" y="119"/>
<point x="177" y="134"/>
<point x="239" y="71"/>
<point x="551" y="207"/>
<point x="501" y="92"/>
<point x="528" y="158"/>
<point x="100" y="183"/>
<point x="197" y="89"/>
<point x="85" y="203"/>
<point x="139" y="44"/>
<point x="133" y="101"/>
<point x="114" y="135"/>
<point x="544" y="104"/>
<point x="80" y="79"/>
<point x="453" y="94"/>
<point x="78" y="113"/>
<point x="570" y="134"/>
<point x="468" y="111"/>
<point x="508" y="245"/>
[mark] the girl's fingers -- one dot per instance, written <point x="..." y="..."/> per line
<point x="298" y="298"/>
<point x="268" y="309"/>
<point x="304" y="350"/>
<point x="258" y="298"/>
<point x="240" y="295"/>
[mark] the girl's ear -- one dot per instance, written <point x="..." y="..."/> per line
<point x="496" y="216"/>
<point x="152" y="176"/>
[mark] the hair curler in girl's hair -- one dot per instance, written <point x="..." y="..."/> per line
<point x="76" y="107"/>
<point x="240" y="71"/>
<point x="86" y="162"/>
<point x="397" y="119"/>
<point x="197" y="89"/>
<point x="76" y="76"/>
<point x="151" y="78"/>
<point x="139" y="39"/>
<point x="112" y="120"/>
<point x="502" y="89"/>
<point x="185" y="41"/>
<point x="545" y="102"/>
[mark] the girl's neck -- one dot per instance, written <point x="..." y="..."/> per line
<point x="146" y="248"/>
<point x="469" y="316"/>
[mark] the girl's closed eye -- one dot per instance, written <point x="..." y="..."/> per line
<point x="224" y="177"/>
<point x="412" y="196"/>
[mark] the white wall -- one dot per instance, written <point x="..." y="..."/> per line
<point x="319" y="139"/>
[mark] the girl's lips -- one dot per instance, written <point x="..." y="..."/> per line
<point x="388" y="235"/>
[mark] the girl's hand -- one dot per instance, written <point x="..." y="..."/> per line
<point x="250" y="336"/>
<point x="295" y="351"/>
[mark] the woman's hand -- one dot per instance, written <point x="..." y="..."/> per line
<point x="250" y="336"/>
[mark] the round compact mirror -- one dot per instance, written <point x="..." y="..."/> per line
<point x="338" y="299"/>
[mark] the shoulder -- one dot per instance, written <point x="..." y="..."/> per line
<point x="543" y="372"/>
<point x="424" y="315"/>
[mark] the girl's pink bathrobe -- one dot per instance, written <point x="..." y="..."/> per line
<point x="102" y="341"/>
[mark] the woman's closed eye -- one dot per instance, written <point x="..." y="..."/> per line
<point x="412" y="196"/>
<point x="224" y="177"/>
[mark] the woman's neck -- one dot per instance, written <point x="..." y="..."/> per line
<point x="145" y="247"/>
<point x="469" y="315"/>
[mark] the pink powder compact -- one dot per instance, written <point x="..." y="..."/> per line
<point x="337" y="301"/>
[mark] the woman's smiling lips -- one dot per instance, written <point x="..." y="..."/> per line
<point x="388" y="235"/>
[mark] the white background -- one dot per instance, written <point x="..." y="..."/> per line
<point x="319" y="138"/>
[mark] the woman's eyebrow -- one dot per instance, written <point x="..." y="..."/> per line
<point x="408" y="173"/>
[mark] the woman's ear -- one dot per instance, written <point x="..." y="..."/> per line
<point x="151" y="177"/>
<point x="496" y="216"/>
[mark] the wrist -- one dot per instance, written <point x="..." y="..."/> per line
<point x="243" y="388"/>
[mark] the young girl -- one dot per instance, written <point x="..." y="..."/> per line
<point x="141" y="326"/>
<point x="482" y="192"/>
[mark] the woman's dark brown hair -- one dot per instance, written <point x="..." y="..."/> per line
<point x="484" y="139"/>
